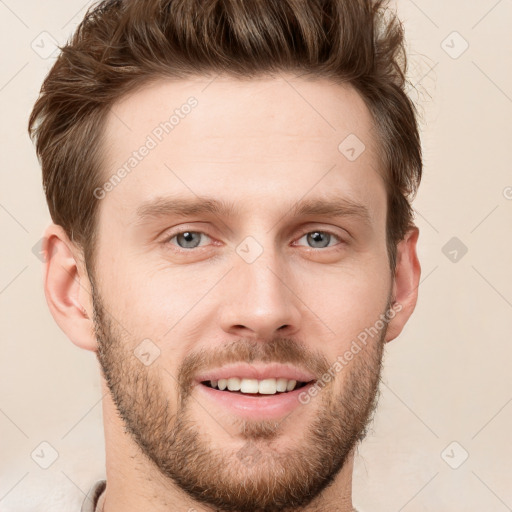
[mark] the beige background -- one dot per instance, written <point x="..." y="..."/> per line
<point x="446" y="378"/>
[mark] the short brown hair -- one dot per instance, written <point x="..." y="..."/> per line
<point x="123" y="44"/>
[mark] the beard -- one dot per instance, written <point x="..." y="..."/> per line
<point x="256" y="477"/>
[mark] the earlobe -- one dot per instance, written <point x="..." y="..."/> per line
<point x="67" y="288"/>
<point x="405" y="285"/>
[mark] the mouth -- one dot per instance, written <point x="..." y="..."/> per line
<point x="245" y="402"/>
<point x="254" y="387"/>
<point x="255" y="390"/>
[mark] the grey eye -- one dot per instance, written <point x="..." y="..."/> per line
<point x="187" y="237"/>
<point x="319" y="239"/>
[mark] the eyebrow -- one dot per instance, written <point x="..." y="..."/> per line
<point x="184" y="207"/>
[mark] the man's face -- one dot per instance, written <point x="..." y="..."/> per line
<point x="181" y="294"/>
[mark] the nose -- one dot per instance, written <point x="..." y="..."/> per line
<point x="259" y="299"/>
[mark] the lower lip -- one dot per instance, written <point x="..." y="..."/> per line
<point x="256" y="407"/>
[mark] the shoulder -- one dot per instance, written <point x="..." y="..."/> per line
<point x="91" y="500"/>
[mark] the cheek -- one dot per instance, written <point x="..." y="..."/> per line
<point x="347" y="301"/>
<point x="155" y="303"/>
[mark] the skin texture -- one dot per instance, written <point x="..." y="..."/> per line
<point x="263" y="144"/>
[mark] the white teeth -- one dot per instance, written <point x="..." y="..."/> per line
<point x="249" y="386"/>
<point x="267" y="387"/>
<point x="264" y="387"/>
<point x="281" y="385"/>
<point x="234" y="384"/>
<point x="291" y="385"/>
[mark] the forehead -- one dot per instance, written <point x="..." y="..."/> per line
<point x="221" y="136"/>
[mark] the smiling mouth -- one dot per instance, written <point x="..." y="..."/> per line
<point x="217" y="385"/>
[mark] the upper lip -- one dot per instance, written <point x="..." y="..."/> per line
<point x="259" y="372"/>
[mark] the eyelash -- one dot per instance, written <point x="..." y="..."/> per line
<point x="170" y="237"/>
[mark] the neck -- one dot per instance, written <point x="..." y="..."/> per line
<point x="134" y="483"/>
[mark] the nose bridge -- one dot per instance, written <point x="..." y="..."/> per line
<point x="259" y="297"/>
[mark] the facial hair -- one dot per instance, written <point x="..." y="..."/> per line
<point x="253" y="478"/>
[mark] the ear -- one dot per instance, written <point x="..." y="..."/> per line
<point x="405" y="283"/>
<point x="67" y="287"/>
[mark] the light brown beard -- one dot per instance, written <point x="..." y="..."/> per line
<point x="223" y="479"/>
